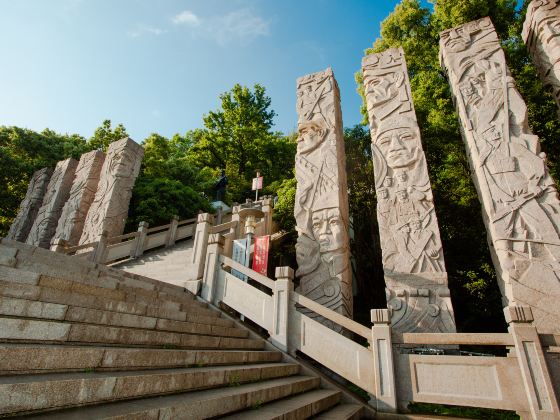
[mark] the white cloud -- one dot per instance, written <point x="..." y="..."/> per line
<point x="186" y="17"/>
<point x="142" y="29"/>
<point x="236" y="26"/>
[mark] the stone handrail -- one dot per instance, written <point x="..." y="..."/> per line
<point x="130" y="245"/>
<point x="332" y="316"/>
<point x="253" y="275"/>
<point x="478" y="339"/>
<point x="224" y="226"/>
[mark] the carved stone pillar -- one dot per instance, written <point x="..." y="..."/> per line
<point x="82" y="193"/>
<point x="321" y="202"/>
<point x="109" y="209"/>
<point x="30" y="205"/>
<point x="541" y="33"/>
<point x="415" y="276"/>
<point x="519" y="200"/>
<point x="58" y="190"/>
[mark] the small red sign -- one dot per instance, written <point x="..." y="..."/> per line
<point x="260" y="256"/>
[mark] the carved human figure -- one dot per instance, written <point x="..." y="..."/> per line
<point x="541" y="33"/>
<point x="518" y="196"/>
<point x="57" y="193"/>
<point x="321" y="209"/>
<point x="30" y="205"/>
<point x="409" y="234"/>
<point x="109" y="209"/>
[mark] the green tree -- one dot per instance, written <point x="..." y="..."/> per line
<point x="104" y="135"/>
<point x="238" y="138"/>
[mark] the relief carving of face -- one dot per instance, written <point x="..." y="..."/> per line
<point x="382" y="88"/>
<point x="457" y="39"/>
<point x="328" y="230"/>
<point x="311" y="135"/>
<point x="400" y="146"/>
<point x="121" y="163"/>
<point x="383" y="194"/>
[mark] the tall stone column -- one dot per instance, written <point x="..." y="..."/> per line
<point x="519" y="200"/>
<point x="82" y="193"/>
<point x="321" y="202"/>
<point x="541" y="33"/>
<point x="30" y="205"/>
<point x="57" y="193"/>
<point x="109" y="209"/>
<point x="415" y="276"/>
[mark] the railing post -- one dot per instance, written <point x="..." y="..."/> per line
<point x="172" y="232"/>
<point x="219" y="215"/>
<point x="203" y="226"/>
<point x="268" y="210"/>
<point x="211" y="267"/>
<point x="283" y="286"/>
<point x="542" y="401"/>
<point x="386" y="396"/>
<point x="99" y="254"/>
<point x="58" y="245"/>
<point x="137" y="248"/>
<point x="235" y="218"/>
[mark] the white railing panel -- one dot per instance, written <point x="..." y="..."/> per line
<point x="488" y="382"/>
<point x="121" y="250"/>
<point x="184" y="232"/>
<point x="248" y="301"/>
<point x="155" y="240"/>
<point x="334" y="351"/>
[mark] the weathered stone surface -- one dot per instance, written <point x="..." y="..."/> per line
<point x="30" y="205"/>
<point x="109" y="209"/>
<point x="413" y="262"/>
<point x="520" y="202"/>
<point x="321" y="203"/>
<point x="82" y="193"/>
<point x="541" y="32"/>
<point x="57" y="193"/>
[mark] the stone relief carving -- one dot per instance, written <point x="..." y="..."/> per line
<point x="82" y="193"/>
<point x="30" y="205"/>
<point x="110" y="205"/>
<point x="321" y="207"/>
<point x="541" y="33"/>
<point x="57" y="193"/>
<point x="412" y="253"/>
<point x="520" y="202"/>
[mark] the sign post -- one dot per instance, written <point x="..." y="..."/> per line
<point x="257" y="185"/>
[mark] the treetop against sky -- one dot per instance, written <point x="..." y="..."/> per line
<point x="159" y="65"/>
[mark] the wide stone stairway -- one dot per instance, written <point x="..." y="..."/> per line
<point x="83" y="341"/>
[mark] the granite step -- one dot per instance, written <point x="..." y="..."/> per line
<point x="342" y="412"/>
<point x="53" y="264"/>
<point x="19" y="359"/>
<point x="17" y="330"/>
<point x="23" y="308"/>
<point x="297" y="407"/>
<point x="27" y="285"/>
<point x="32" y="393"/>
<point x="193" y="405"/>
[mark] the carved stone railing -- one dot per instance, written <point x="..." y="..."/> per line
<point x="393" y="367"/>
<point x="130" y="245"/>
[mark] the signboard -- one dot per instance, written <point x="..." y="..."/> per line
<point x="260" y="257"/>
<point x="239" y="254"/>
<point x="257" y="183"/>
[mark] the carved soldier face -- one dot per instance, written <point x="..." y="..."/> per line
<point x="388" y="181"/>
<point x="402" y="176"/>
<point x="400" y="146"/>
<point x="383" y="194"/>
<point x="311" y="135"/>
<point x="457" y="39"/>
<point x="122" y="163"/>
<point x="415" y="225"/>
<point x="328" y="229"/>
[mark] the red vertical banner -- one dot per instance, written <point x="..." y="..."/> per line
<point x="260" y="256"/>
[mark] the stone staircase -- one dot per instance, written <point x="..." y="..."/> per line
<point x="165" y="264"/>
<point x="83" y="341"/>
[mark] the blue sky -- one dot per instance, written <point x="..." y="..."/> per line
<point x="159" y="65"/>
